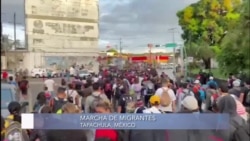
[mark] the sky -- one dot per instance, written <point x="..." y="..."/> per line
<point x="136" y="22"/>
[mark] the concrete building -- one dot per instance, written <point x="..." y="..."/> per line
<point x="62" y="33"/>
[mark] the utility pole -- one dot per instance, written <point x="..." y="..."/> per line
<point x="14" y="22"/>
<point x="120" y="46"/>
<point x="174" y="49"/>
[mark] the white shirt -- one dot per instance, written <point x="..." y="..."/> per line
<point x="49" y="83"/>
<point x="159" y="92"/>
<point x="95" y="79"/>
<point x="72" y="93"/>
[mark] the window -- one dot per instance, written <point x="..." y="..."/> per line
<point x="6" y="97"/>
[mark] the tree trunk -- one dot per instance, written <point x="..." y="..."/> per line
<point x="207" y="63"/>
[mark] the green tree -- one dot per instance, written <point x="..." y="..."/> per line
<point x="235" y="54"/>
<point x="205" y="24"/>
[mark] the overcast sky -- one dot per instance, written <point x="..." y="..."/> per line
<point x="136" y="22"/>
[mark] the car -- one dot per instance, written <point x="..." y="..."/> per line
<point x="38" y="72"/>
<point x="83" y="73"/>
<point x="10" y="93"/>
<point x="42" y="72"/>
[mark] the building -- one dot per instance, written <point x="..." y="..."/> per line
<point x="62" y="33"/>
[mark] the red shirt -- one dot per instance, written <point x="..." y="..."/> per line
<point x="196" y="89"/>
<point x="5" y="75"/>
<point x="106" y="133"/>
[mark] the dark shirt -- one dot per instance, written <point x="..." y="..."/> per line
<point x="122" y="103"/>
<point x="66" y="135"/>
<point x="246" y="91"/>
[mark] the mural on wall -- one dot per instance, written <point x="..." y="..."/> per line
<point x="62" y="62"/>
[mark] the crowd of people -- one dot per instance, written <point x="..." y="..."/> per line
<point x="138" y="92"/>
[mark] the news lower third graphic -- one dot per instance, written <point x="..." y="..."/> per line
<point x="125" y="121"/>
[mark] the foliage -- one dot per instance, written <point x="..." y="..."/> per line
<point x="235" y="54"/>
<point x="204" y="25"/>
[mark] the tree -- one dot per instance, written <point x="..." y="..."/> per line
<point x="235" y="54"/>
<point x="205" y="24"/>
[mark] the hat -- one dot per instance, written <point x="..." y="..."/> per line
<point x="154" y="99"/>
<point x="236" y="83"/>
<point x="190" y="103"/>
<point x="197" y="81"/>
<point x="211" y="78"/>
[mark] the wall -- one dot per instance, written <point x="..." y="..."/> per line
<point x="59" y="60"/>
<point x="55" y="26"/>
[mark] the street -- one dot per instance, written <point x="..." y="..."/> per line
<point x="36" y="86"/>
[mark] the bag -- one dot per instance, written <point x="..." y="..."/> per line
<point x="202" y="94"/>
<point x="165" y="99"/>
<point x="70" y="97"/>
<point x="213" y="99"/>
<point x="57" y="103"/>
<point x="94" y="103"/>
<point x="241" y="132"/>
<point x="13" y="131"/>
<point x="186" y="94"/>
<point x="38" y="108"/>
<point x="108" y="87"/>
<point x="130" y="104"/>
<point x="248" y="97"/>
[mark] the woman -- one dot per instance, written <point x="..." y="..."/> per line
<point x="109" y="134"/>
<point x="227" y="105"/>
<point x="40" y="103"/>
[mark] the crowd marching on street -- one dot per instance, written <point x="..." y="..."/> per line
<point x="138" y="92"/>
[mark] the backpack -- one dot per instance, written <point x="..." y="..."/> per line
<point x="23" y="85"/>
<point x="38" y="108"/>
<point x="186" y="94"/>
<point x="165" y="99"/>
<point x="248" y="97"/>
<point x="57" y="103"/>
<point x="130" y="104"/>
<point x="94" y="103"/>
<point x="108" y="87"/>
<point x="241" y="132"/>
<point x="202" y="94"/>
<point x="14" y="132"/>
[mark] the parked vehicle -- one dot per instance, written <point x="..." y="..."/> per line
<point x="10" y="93"/>
<point x="83" y="73"/>
<point x="42" y="72"/>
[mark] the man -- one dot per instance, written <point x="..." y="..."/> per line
<point x="23" y="86"/>
<point x="5" y="75"/>
<point x="211" y="81"/>
<point x="183" y="92"/>
<point x="50" y="84"/>
<point x="155" y="105"/>
<point x="236" y="90"/>
<point x="57" y="102"/>
<point x="94" y="98"/>
<point x="246" y="99"/>
<point x="159" y="92"/>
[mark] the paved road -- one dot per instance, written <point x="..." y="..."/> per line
<point x="37" y="85"/>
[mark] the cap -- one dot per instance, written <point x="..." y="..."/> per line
<point x="236" y="83"/>
<point x="154" y="99"/>
<point x="190" y="103"/>
<point x="197" y="81"/>
<point x="211" y="78"/>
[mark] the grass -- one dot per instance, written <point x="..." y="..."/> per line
<point x="216" y="73"/>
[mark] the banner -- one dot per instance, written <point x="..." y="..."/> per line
<point x="125" y="121"/>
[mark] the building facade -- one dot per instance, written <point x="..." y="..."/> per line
<point x="62" y="33"/>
